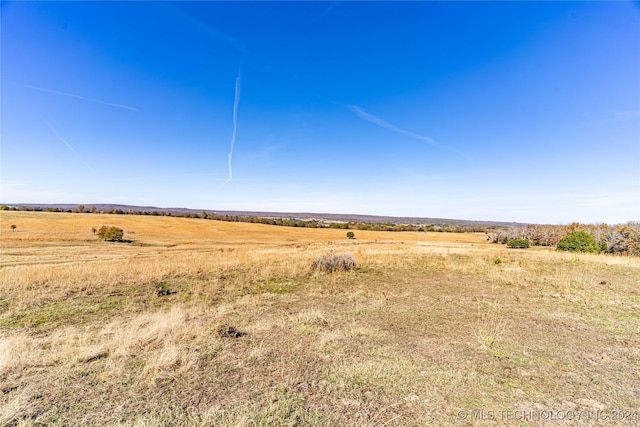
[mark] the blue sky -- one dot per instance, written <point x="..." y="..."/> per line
<point x="514" y="111"/>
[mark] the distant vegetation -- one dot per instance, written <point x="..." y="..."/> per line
<point x="622" y="239"/>
<point x="447" y="227"/>
<point x="518" y="243"/>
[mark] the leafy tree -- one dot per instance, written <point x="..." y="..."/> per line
<point x="350" y="235"/>
<point x="80" y="209"/>
<point x="579" y="241"/>
<point x="111" y="234"/>
<point x="13" y="227"/>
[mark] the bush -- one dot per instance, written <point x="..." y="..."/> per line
<point x="350" y="235"/>
<point x="111" y="234"/>
<point x="579" y="241"/>
<point x="518" y="243"/>
<point x="333" y="263"/>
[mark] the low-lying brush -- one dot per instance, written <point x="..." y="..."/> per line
<point x="333" y="263"/>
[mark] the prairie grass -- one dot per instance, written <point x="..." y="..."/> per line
<point x="428" y="325"/>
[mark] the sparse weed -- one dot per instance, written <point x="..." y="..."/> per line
<point x="490" y="327"/>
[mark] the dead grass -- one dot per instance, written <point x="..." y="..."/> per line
<point x="333" y="263"/>
<point x="246" y="335"/>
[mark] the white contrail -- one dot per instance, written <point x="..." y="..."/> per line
<point x="154" y="177"/>
<point x="125" y="107"/>
<point x="236" y="102"/>
<point x="64" y="141"/>
<point x="380" y="122"/>
<point x="383" y="123"/>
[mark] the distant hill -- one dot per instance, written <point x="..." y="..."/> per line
<point x="326" y="217"/>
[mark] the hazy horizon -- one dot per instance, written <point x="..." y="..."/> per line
<point x="497" y="111"/>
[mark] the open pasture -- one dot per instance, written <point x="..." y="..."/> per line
<point x="198" y="322"/>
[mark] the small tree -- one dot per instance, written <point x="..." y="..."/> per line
<point x="579" y="241"/>
<point x="80" y="209"/>
<point x="13" y="227"/>
<point x="350" y="235"/>
<point x="111" y="234"/>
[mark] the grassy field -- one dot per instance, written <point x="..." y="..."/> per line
<point x="198" y="322"/>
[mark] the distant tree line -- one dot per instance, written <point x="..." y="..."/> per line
<point x="283" y="222"/>
<point x="621" y="239"/>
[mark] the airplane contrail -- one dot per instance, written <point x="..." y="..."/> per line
<point x="383" y="123"/>
<point x="70" y="95"/>
<point x="236" y="102"/>
<point x="153" y="177"/>
<point x="64" y="141"/>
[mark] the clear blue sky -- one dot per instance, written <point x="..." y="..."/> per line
<point x="516" y="111"/>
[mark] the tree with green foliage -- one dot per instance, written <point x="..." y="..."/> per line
<point x="518" y="243"/>
<point x="350" y="235"/>
<point x="111" y="234"/>
<point x="579" y="241"/>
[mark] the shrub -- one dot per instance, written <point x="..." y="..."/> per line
<point x="350" y="235"/>
<point x="333" y="263"/>
<point x="13" y="227"/>
<point x="111" y="234"/>
<point x="579" y="241"/>
<point x="518" y="243"/>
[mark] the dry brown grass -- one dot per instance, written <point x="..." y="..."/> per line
<point x="429" y="325"/>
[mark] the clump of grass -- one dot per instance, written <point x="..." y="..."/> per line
<point x="333" y="263"/>
<point x="491" y="325"/>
